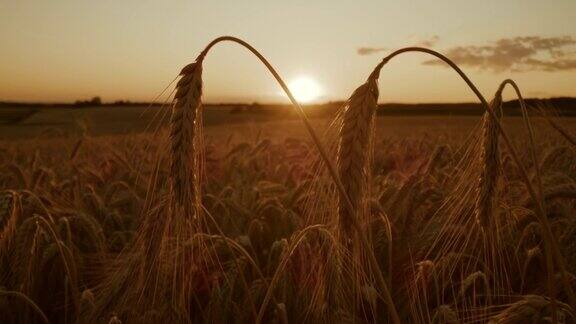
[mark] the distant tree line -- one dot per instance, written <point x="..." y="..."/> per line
<point x="562" y="105"/>
<point x="95" y="101"/>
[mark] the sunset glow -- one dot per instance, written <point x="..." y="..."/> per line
<point x="62" y="51"/>
<point x="305" y="89"/>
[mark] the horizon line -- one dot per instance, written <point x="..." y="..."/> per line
<point x="249" y="103"/>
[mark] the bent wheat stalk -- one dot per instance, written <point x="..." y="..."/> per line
<point x="194" y="101"/>
<point x="28" y="301"/>
<point x="295" y="103"/>
<point x="530" y="129"/>
<point x="542" y="199"/>
<point x="540" y="211"/>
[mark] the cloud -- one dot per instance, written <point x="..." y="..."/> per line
<point x="373" y="50"/>
<point x="369" y="50"/>
<point x="429" y="42"/>
<point x="518" y="54"/>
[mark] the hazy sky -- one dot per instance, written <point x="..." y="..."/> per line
<point x="63" y="50"/>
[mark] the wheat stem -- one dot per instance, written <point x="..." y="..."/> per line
<point x="569" y="137"/>
<point x="541" y="200"/>
<point x="540" y="212"/>
<point x="325" y="159"/>
<point x="28" y="301"/>
<point x="294" y="102"/>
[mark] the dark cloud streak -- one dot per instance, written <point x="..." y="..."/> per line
<point x="373" y="50"/>
<point x="369" y="50"/>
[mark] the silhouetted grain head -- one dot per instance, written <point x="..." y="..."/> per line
<point x="486" y="190"/>
<point x="354" y="150"/>
<point x="184" y="148"/>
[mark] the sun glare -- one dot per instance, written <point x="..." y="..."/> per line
<point x="305" y="89"/>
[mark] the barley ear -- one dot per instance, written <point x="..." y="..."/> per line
<point x="9" y="217"/>
<point x="184" y="168"/>
<point x="490" y="158"/>
<point x="354" y="152"/>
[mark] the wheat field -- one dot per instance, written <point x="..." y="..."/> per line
<point x="357" y="218"/>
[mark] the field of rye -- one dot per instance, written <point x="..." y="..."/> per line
<point x="344" y="225"/>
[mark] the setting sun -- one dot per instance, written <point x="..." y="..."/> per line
<point x="305" y="89"/>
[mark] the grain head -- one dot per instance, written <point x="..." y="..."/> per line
<point x="183" y="135"/>
<point x="533" y="309"/>
<point x="354" y="152"/>
<point x="486" y="190"/>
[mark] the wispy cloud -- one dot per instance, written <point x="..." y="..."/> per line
<point x="370" y="50"/>
<point x="430" y="42"/>
<point x="518" y="54"/>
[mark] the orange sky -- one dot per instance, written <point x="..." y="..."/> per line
<point x="64" y="50"/>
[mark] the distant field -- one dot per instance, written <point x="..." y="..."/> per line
<point x="270" y="121"/>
